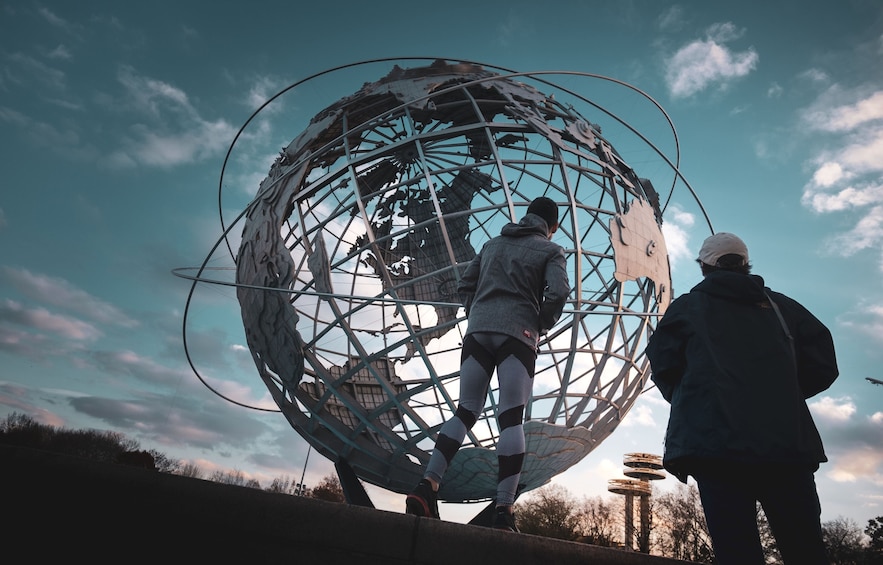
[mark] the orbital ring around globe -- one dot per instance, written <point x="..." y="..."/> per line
<point x="351" y="250"/>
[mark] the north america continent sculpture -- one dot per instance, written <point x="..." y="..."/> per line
<point x="352" y="248"/>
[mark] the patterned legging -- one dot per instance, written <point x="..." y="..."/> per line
<point x="515" y="363"/>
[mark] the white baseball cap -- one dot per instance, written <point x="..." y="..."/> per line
<point x="720" y="244"/>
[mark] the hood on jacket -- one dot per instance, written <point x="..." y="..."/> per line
<point x="530" y="224"/>
<point x="735" y="287"/>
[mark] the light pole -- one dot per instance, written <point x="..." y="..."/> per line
<point x="300" y="486"/>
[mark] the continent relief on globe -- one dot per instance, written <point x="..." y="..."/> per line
<point x="639" y="250"/>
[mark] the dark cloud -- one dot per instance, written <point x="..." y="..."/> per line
<point x="144" y="369"/>
<point x="176" y="421"/>
<point x="60" y="293"/>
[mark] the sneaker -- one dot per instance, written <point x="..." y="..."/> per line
<point x="423" y="501"/>
<point x="505" y="519"/>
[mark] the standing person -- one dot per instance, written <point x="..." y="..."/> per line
<point x="737" y="362"/>
<point x="514" y="291"/>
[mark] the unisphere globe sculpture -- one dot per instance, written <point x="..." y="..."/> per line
<point x="351" y="251"/>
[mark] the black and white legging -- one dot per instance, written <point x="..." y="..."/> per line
<point x="514" y="362"/>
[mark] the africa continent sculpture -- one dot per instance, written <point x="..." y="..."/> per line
<point x="352" y="249"/>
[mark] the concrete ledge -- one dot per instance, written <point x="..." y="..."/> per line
<point x="56" y="506"/>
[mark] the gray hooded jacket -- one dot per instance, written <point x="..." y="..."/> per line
<point x="517" y="284"/>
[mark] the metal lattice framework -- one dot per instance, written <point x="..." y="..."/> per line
<point x="352" y="249"/>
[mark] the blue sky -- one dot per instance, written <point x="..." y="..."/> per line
<point x="115" y="119"/>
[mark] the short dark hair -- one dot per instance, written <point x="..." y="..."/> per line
<point x="546" y="209"/>
<point x="730" y="262"/>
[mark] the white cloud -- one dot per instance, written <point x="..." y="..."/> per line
<point x="848" y="116"/>
<point x="147" y="370"/>
<point x="723" y="32"/>
<point x="866" y="318"/>
<point x="261" y="90"/>
<point x="43" y="74"/>
<point x="59" y="292"/>
<point x="170" y="131"/>
<point x="847" y="176"/>
<point x="703" y="63"/>
<point x="775" y="90"/>
<point x="815" y="75"/>
<point x="42" y="320"/>
<point x="641" y="416"/>
<point x="60" y="52"/>
<point x="13" y="117"/>
<point x="150" y="94"/>
<point x="23" y="399"/>
<point x="167" y="149"/>
<point x="828" y="174"/>
<point x="177" y="134"/>
<point x="59" y="22"/>
<point x="591" y="475"/>
<point x="672" y="19"/>
<point x="833" y="409"/>
<point x="867" y="234"/>
<point x="864" y="150"/>
<point x="848" y="197"/>
<point x="513" y="27"/>
<point x="852" y="443"/>
<point x="675" y="231"/>
<point x="119" y="160"/>
<point x="855" y="464"/>
<point x="65" y="142"/>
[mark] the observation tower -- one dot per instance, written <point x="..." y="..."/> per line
<point x="642" y="468"/>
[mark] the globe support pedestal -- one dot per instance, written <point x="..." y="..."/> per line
<point x="353" y="490"/>
<point x="486" y="516"/>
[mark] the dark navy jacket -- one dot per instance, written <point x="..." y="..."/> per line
<point x="517" y="284"/>
<point x="721" y="357"/>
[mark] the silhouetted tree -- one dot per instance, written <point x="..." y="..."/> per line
<point x="283" y="485"/>
<point x="139" y="458"/>
<point x="23" y="431"/>
<point x="235" y="478"/>
<point x="189" y="470"/>
<point x="164" y="463"/>
<point x="329" y="488"/>
<point x="843" y="538"/>
<point x="875" y="532"/>
<point x="681" y="531"/>
<point x="767" y="540"/>
<point x="549" y="511"/>
<point x="599" y="521"/>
